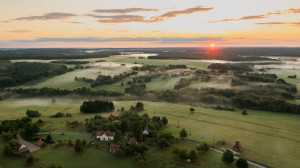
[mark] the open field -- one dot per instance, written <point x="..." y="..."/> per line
<point x="66" y="81"/>
<point x="268" y="138"/>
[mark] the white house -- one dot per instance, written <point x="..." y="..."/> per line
<point x="146" y="131"/>
<point x="105" y="135"/>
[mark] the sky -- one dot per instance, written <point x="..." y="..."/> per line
<point x="149" y="23"/>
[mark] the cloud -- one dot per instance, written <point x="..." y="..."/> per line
<point x="118" y="18"/>
<point x="72" y="22"/>
<point x="20" y="31"/>
<point x="138" y="18"/>
<point x="172" y="14"/>
<point x="294" y="10"/>
<point x="267" y="15"/>
<point x="162" y="40"/>
<point x="278" y="23"/>
<point x="47" y="16"/>
<point x="243" y="18"/>
<point x="126" y="10"/>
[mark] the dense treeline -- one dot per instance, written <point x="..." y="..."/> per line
<point x="107" y="79"/>
<point x="45" y="91"/>
<point x="136" y="89"/>
<point x="12" y="74"/>
<point x="233" y="67"/>
<point x="259" y="98"/>
<point x="230" y="54"/>
<point x="97" y="106"/>
<point x="177" y="66"/>
<point x="69" y="62"/>
<point x="53" y="54"/>
<point x="258" y="77"/>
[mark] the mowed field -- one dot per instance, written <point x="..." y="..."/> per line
<point x="268" y="138"/>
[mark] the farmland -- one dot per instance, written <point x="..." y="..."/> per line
<point x="259" y="132"/>
<point x="268" y="138"/>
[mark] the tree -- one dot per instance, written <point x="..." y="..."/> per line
<point x="192" y="109"/>
<point x="228" y="156"/>
<point x="203" y="147"/>
<point x="7" y="136"/>
<point x="193" y="155"/>
<point x="164" y="120"/>
<point x="183" y="133"/>
<point x="139" y="106"/>
<point x="49" y="139"/>
<point x="166" y="135"/>
<point x="183" y="154"/>
<point x="32" y="113"/>
<point x="10" y="150"/>
<point x="78" y="146"/>
<point x="124" y="126"/>
<point x="31" y="130"/>
<point x="241" y="163"/>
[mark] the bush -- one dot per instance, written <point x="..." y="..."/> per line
<point x="203" y="147"/>
<point x="78" y="146"/>
<point x="7" y="136"/>
<point x="183" y="154"/>
<point x="192" y="109"/>
<point x="228" y="156"/>
<point x="32" y="113"/>
<point x="183" y="133"/>
<point x="193" y="155"/>
<point x="241" y="163"/>
<point x="58" y="115"/>
<point x="49" y="139"/>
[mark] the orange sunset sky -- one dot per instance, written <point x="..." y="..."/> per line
<point x="149" y="23"/>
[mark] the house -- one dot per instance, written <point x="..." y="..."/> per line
<point x="152" y="141"/>
<point x="237" y="146"/>
<point x="21" y="148"/>
<point x="146" y="131"/>
<point x="105" y="135"/>
<point x="132" y="140"/>
<point x="112" y="148"/>
<point x="40" y="143"/>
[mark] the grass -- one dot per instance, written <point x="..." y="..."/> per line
<point x="66" y="81"/>
<point x="268" y="138"/>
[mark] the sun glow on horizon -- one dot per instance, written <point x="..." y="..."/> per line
<point x="212" y="45"/>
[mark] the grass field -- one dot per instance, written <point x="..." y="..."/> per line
<point x="94" y="158"/>
<point x="268" y="138"/>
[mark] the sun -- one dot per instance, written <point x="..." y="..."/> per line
<point x="212" y="45"/>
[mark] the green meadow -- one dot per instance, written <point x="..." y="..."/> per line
<point x="266" y="137"/>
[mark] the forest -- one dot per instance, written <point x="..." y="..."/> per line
<point x="12" y="74"/>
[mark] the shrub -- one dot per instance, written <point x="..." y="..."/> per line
<point x="241" y="163"/>
<point x="183" y="133"/>
<point x="228" y="156"/>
